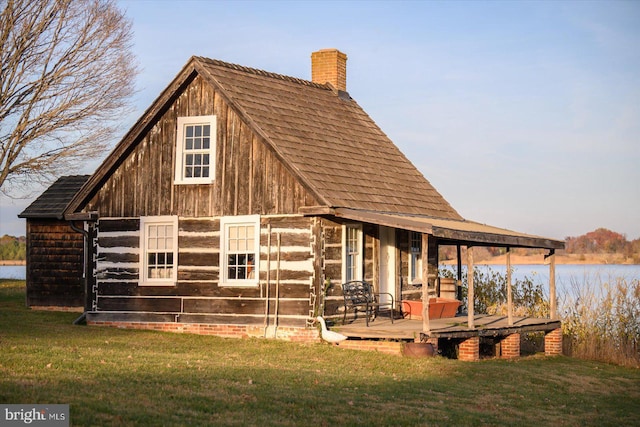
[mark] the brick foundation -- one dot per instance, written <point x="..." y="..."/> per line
<point x="225" y="331"/>
<point x="469" y="349"/>
<point x="553" y="342"/>
<point x="57" y="308"/>
<point x="388" y="347"/>
<point x="510" y="346"/>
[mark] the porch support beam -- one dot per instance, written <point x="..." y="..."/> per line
<point x="470" y="295"/>
<point x="429" y="253"/>
<point x="553" y="315"/>
<point x="459" y="281"/>
<point x="509" y="290"/>
<point x="424" y="252"/>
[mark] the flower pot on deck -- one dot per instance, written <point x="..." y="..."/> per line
<point x="438" y="308"/>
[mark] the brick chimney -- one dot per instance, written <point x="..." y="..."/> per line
<point x="329" y="65"/>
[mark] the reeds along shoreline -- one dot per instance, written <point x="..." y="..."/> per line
<point x="601" y="319"/>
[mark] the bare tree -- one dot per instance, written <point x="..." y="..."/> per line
<point x="66" y="80"/>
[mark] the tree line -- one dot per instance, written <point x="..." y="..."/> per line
<point x="602" y="241"/>
<point x="13" y="248"/>
<point x="599" y="241"/>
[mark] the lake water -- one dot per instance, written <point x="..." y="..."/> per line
<point x="568" y="276"/>
<point x="13" y="272"/>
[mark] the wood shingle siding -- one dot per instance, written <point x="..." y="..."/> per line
<point x="54" y="250"/>
<point x="55" y="263"/>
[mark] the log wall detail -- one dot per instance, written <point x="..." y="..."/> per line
<point x="197" y="294"/>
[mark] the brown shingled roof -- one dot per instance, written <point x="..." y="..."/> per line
<point x="55" y="199"/>
<point x="328" y="140"/>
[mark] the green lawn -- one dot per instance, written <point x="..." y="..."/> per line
<point x="122" y="377"/>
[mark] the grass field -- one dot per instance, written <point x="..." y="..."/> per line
<point x="123" y="377"/>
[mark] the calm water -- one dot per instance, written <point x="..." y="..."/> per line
<point x="13" y="272"/>
<point x="567" y="275"/>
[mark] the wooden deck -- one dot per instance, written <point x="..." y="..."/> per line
<point x="453" y="327"/>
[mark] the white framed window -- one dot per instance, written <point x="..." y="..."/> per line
<point x="240" y="250"/>
<point x="415" y="258"/>
<point x="158" y="250"/>
<point x="195" y="150"/>
<point x="351" y="252"/>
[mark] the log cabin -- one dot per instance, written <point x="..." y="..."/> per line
<point x="242" y="199"/>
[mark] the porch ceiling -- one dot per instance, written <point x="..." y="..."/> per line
<point x="448" y="231"/>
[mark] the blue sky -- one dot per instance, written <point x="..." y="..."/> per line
<point x="524" y="115"/>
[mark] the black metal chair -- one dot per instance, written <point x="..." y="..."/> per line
<point x="359" y="294"/>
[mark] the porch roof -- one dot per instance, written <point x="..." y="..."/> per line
<point x="448" y="231"/>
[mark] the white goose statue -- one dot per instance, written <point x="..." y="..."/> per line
<point x="330" y="336"/>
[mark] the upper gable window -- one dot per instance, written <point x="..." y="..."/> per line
<point x="196" y="150"/>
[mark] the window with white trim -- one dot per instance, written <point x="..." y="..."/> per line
<point x="240" y="250"/>
<point x="195" y="150"/>
<point x="351" y="252"/>
<point x="415" y="258"/>
<point x="158" y="250"/>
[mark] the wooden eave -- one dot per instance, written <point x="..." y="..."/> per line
<point x="447" y="231"/>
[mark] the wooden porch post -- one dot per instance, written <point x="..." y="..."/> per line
<point x="470" y="296"/>
<point x="509" y="291"/>
<point x="426" y="327"/>
<point x="552" y="285"/>
<point x="459" y="282"/>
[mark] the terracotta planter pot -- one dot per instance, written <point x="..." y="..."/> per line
<point x="438" y="308"/>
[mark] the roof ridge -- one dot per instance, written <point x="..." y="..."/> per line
<point x="263" y="73"/>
